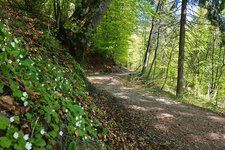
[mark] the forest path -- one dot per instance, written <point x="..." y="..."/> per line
<point x="146" y="118"/>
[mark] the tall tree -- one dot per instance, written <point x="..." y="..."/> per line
<point x="148" y="49"/>
<point x="180" y="78"/>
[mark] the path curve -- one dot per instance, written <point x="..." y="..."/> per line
<point x="180" y="126"/>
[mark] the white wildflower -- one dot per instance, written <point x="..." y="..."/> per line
<point x="26" y="137"/>
<point x="13" y="44"/>
<point x="42" y="131"/>
<point x="66" y="110"/>
<point x="24" y="94"/>
<point x="21" y="56"/>
<point x="28" y="146"/>
<point x="16" y="40"/>
<point x="16" y="135"/>
<point x="3" y="49"/>
<point x="25" y="103"/>
<point x="53" y="110"/>
<point x="11" y="119"/>
<point x="78" y="124"/>
<point x="18" y="60"/>
<point x="20" y="64"/>
<point x="22" y="98"/>
<point x="60" y="133"/>
<point x="10" y="61"/>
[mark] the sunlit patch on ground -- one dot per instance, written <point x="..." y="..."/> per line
<point x="168" y="102"/>
<point x="215" y="136"/>
<point x="136" y="107"/>
<point x="121" y="95"/>
<point x="164" y="116"/>
<point x="217" y="119"/>
<point x="126" y="88"/>
<point x="185" y="113"/>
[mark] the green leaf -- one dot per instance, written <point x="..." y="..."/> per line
<point x="56" y="117"/>
<point x="4" y="122"/>
<point x="17" y="119"/>
<point x="17" y="93"/>
<point x="1" y="26"/>
<point x="3" y="56"/>
<point x="48" y="118"/>
<point x="1" y="87"/>
<point x="29" y="116"/>
<point x="5" y="71"/>
<point x="53" y="133"/>
<point x="72" y="146"/>
<point x="81" y="133"/>
<point x="39" y="141"/>
<point x="19" y="147"/>
<point x="5" y="142"/>
<point x="15" y="53"/>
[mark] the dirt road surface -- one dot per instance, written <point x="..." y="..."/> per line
<point x="173" y="124"/>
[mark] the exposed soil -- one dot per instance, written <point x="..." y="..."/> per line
<point x="159" y="122"/>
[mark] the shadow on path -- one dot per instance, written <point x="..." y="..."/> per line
<point x="149" y="118"/>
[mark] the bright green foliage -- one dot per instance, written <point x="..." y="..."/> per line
<point x="114" y="32"/>
<point x="56" y="112"/>
<point x="4" y="122"/>
<point x="204" y="56"/>
<point x="205" y="62"/>
<point x="72" y="146"/>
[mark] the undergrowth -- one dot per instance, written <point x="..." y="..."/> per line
<point x="41" y="98"/>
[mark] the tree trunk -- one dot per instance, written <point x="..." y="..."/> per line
<point x="147" y="52"/>
<point x="83" y="39"/>
<point x="156" y="51"/>
<point x="168" y="65"/>
<point x="87" y="16"/>
<point x="180" y="78"/>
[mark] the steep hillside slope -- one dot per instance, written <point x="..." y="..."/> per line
<point x="44" y="103"/>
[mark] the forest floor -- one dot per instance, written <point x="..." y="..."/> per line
<point x="158" y="122"/>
